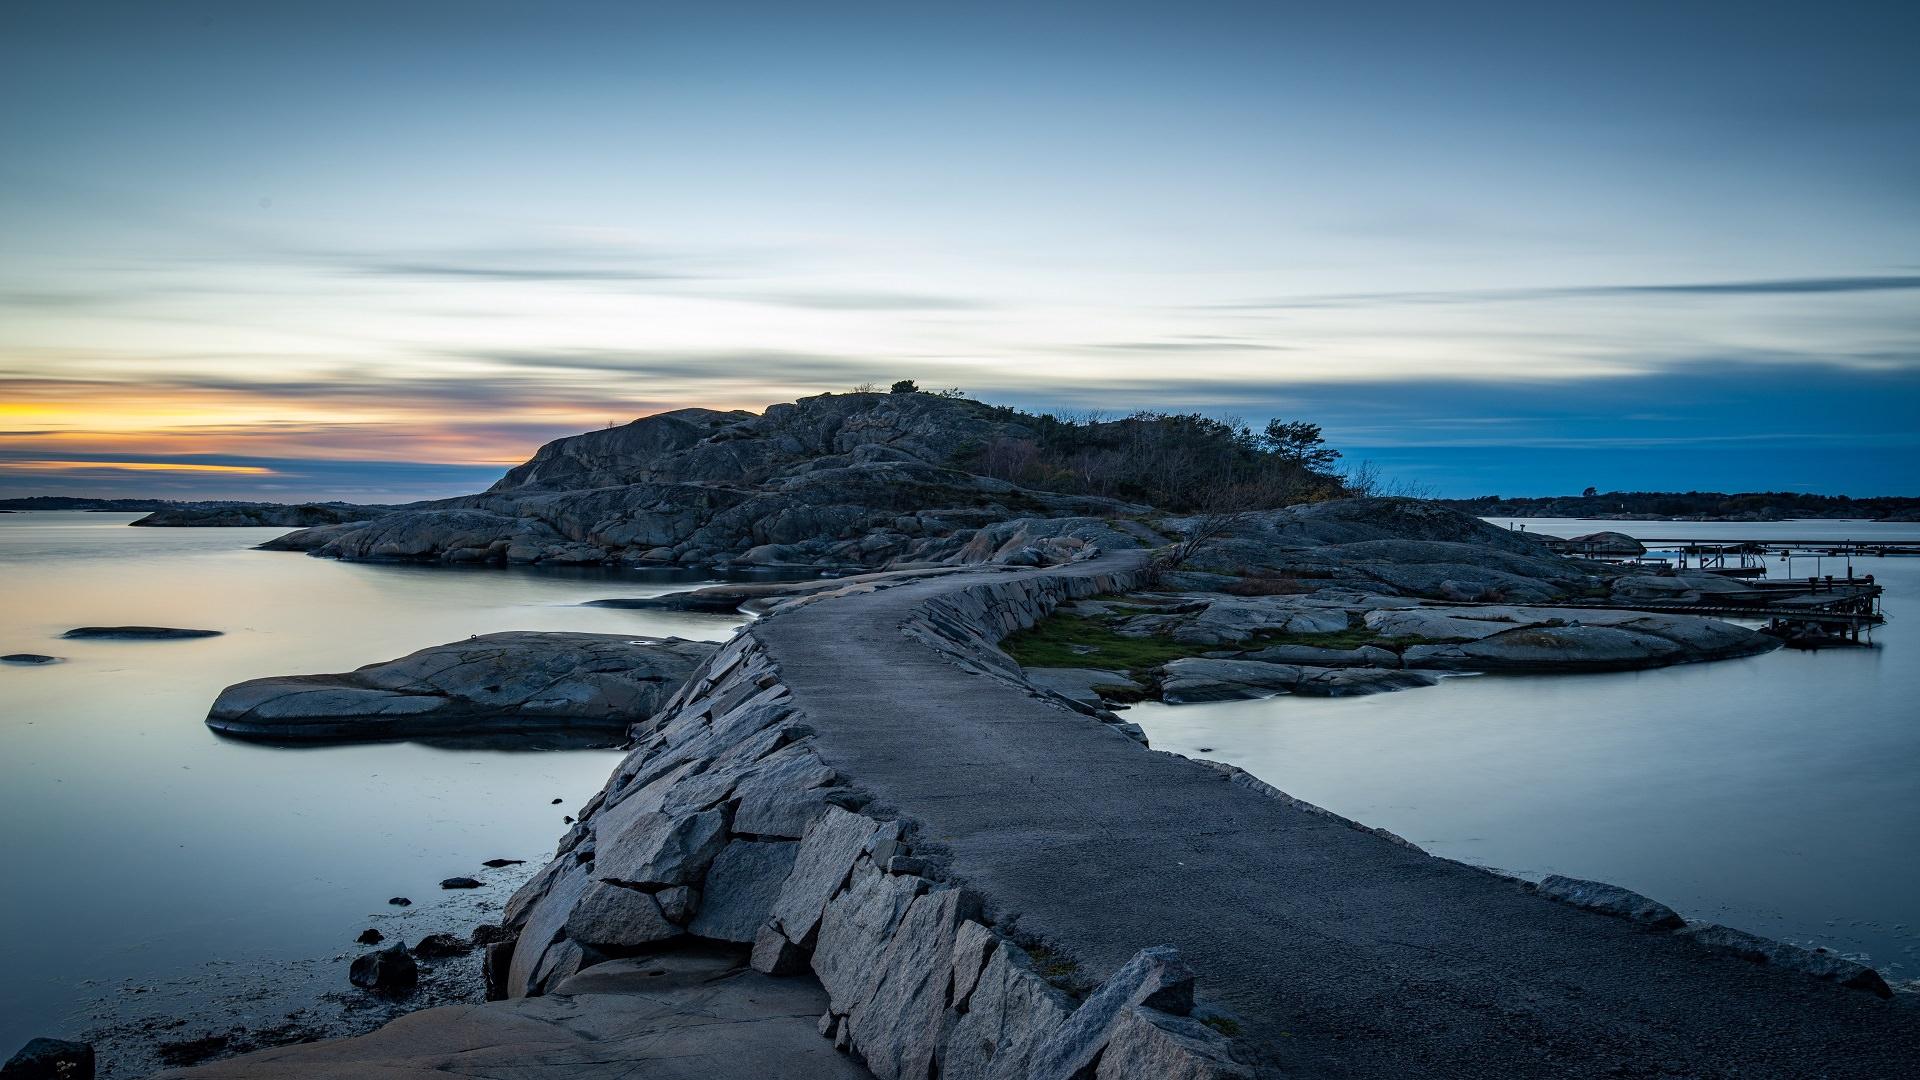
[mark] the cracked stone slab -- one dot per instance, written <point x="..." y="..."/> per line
<point x="741" y="886"/>
<point x="611" y="1022"/>
<point x="827" y="853"/>
<point x="662" y="850"/>
<point x="1146" y="1042"/>
<point x="1155" y="977"/>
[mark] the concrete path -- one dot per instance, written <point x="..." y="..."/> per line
<point x="1344" y="954"/>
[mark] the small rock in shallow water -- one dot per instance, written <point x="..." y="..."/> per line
<point x="370" y="936"/>
<point x="488" y="933"/>
<point x="437" y="946"/>
<point x="388" y="969"/>
<point x="50" y="1059"/>
<point x="40" y="658"/>
<point x="400" y="901"/>
<point x="496" y="864"/>
<point x="568" y="819"/>
<point x="459" y="883"/>
<point x="556" y="802"/>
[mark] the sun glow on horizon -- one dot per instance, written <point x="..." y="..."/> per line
<point x="137" y="466"/>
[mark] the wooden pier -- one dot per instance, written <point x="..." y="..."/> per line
<point x="1804" y="609"/>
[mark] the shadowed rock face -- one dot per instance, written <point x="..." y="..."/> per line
<point x="506" y="682"/>
<point x="834" y="480"/>
<point x="1395" y="546"/>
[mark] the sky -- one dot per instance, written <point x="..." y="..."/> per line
<point x="383" y="251"/>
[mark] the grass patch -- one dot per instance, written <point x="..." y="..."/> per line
<point x="1055" y="967"/>
<point x="1221" y="1024"/>
<point x="1078" y="641"/>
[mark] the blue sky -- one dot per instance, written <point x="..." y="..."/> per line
<point x="383" y="251"/>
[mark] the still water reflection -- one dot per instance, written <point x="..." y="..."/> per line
<point x="138" y="847"/>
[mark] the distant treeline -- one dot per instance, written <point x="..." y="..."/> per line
<point x="64" y="502"/>
<point x="134" y="506"/>
<point x="1694" y="506"/>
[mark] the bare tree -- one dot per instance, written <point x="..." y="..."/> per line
<point x="1224" y="505"/>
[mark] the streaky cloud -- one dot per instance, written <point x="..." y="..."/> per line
<point x="856" y="300"/>
<point x="513" y="273"/>
<point x="1763" y="287"/>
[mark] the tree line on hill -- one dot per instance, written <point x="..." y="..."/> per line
<point x="1694" y="506"/>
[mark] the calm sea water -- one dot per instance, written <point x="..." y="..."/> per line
<point x="1779" y="793"/>
<point x="151" y="865"/>
<point x="152" y="868"/>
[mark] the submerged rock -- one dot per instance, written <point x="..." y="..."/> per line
<point x="135" y="633"/>
<point x="509" y="682"/>
<point x="28" y="658"/>
<point x="460" y="883"/>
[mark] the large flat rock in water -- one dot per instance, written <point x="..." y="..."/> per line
<point x="509" y="682"/>
<point x="135" y="633"/>
<point x="661" y="1018"/>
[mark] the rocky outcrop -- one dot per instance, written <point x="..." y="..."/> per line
<point x="1200" y="679"/>
<point x="1402" y="547"/>
<point x="508" y="682"/>
<point x="1561" y="639"/>
<point x="755" y="597"/>
<point x="1678" y="588"/>
<point x="303" y="515"/>
<point x="840" y="480"/>
<point x="1598" y="543"/>
<point x="1259" y="646"/>
<point x="1089" y="686"/>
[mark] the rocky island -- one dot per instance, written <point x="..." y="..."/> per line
<point x="511" y="682"/>
<point x="896" y="827"/>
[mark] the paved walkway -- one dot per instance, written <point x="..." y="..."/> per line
<point x="1345" y="955"/>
